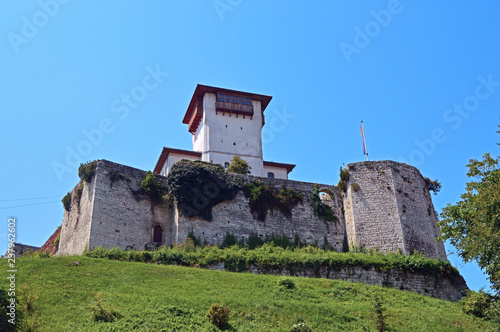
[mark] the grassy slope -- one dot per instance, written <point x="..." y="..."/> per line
<point x="173" y="298"/>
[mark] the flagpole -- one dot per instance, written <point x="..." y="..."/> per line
<point x="365" y="150"/>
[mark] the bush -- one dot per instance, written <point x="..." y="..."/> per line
<point x="432" y="185"/>
<point x="287" y="283"/>
<point x="344" y="178"/>
<point x="478" y="304"/>
<point x="263" y="198"/>
<point x="218" y="315"/>
<point x="101" y="312"/>
<point x="86" y="170"/>
<point x="152" y="188"/>
<point x="195" y="240"/>
<point x="67" y="202"/>
<point x="239" y="166"/>
<point x="229" y="241"/>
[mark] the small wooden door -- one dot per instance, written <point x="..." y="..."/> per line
<point x="157" y="234"/>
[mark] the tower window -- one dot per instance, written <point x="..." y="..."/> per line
<point x="226" y="165"/>
<point x="226" y="126"/>
<point x="270" y="174"/>
<point x="234" y="143"/>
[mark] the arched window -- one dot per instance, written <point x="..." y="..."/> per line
<point x="157" y="234"/>
<point x="270" y="174"/>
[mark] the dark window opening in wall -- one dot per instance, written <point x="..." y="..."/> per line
<point x="157" y="234"/>
<point x="241" y="128"/>
<point x="234" y="143"/>
<point x="226" y="165"/>
<point x="226" y="126"/>
<point x="270" y="174"/>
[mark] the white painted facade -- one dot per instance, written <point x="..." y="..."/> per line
<point x="278" y="172"/>
<point x="219" y="135"/>
<point x="172" y="159"/>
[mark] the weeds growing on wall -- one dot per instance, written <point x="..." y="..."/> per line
<point x="86" y="171"/>
<point x="58" y="238"/>
<point x="67" y="202"/>
<point x="322" y="210"/>
<point x="152" y="188"/>
<point x="344" y="178"/>
<point x="197" y="186"/>
<point x="115" y="176"/>
<point x="78" y="193"/>
<point x="264" y="198"/>
<point x="432" y="185"/>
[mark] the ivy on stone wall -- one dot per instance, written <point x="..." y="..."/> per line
<point x="264" y="198"/>
<point x="197" y="186"/>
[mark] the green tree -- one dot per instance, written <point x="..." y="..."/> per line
<point x="239" y="166"/>
<point x="473" y="224"/>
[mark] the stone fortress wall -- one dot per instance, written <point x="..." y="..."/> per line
<point x="386" y="206"/>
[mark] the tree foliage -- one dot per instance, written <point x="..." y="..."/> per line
<point x="473" y="224"/>
<point x="239" y="166"/>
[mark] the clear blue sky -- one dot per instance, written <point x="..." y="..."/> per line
<point x="398" y="66"/>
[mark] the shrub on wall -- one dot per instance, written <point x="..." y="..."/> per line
<point x="432" y="185"/>
<point x="86" y="170"/>
<point x="67" y="202"/>
<point x="198" y="186"/>
<point x="344" y="178"/>
<point x="264" y="198"/>
<point x="78" y="194"/>
<point x="152" y="188"/>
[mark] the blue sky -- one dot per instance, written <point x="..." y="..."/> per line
<point x="423" y="76"/>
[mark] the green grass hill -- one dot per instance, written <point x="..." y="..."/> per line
<point x="63" y="296"/>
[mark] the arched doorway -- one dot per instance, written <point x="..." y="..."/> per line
<point x="327" y="197"/>
<point x="157" y="234"/>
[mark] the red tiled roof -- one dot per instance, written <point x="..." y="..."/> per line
<point x="199" y="92"/>
<point x="49" y="245"/>
<point x="164" y="155"/>
<point x="289" y="167"/>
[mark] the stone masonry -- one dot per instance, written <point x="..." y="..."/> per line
<point x="388" y="206"/>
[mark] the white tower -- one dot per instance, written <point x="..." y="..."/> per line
<point x="225" y="123"/>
